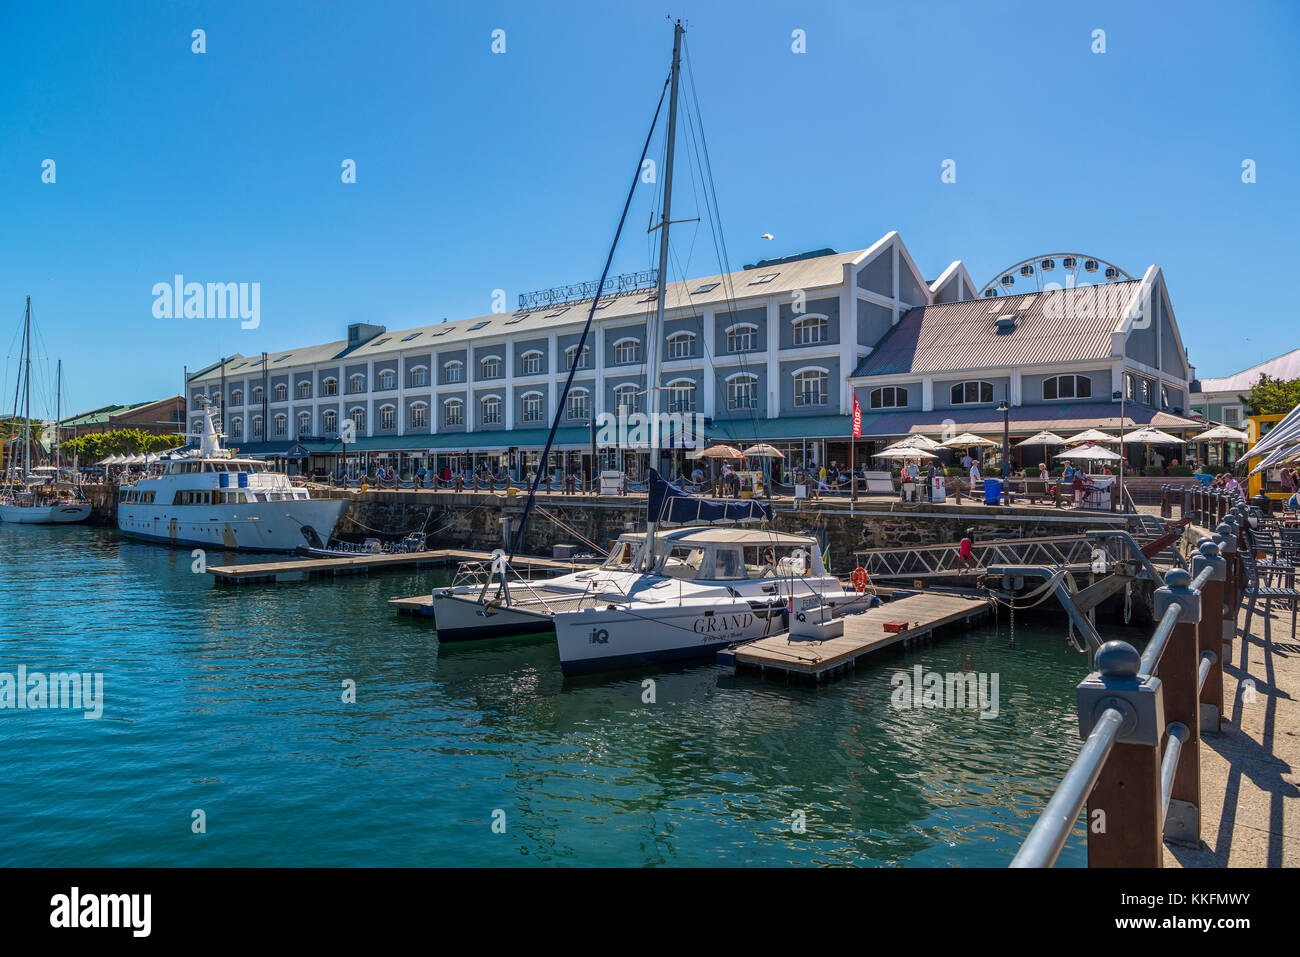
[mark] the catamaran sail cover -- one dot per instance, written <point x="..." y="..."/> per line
<point x="669" y="505"/>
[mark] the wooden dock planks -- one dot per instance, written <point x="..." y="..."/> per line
<point x="302" y="569"/>
<point x="864" y="633"/>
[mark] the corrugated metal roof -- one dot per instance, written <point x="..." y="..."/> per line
<point x="1059" y="326"/>
<point x="1285" y="367"/>
<point x="736" y="287"/>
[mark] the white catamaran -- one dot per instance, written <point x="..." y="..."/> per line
<point x="212" y="499"/>
<point x="40" y="502"/>
<point x="691" y="584"/>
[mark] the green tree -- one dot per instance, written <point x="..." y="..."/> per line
<point x="97" y="445"/>
<point x="1272" y="396"/>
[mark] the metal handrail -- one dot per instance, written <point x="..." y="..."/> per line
<point x="1179" y="734"/>
<point x="1048" y="836"/>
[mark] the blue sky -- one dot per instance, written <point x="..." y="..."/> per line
<point x="478" y="171"/>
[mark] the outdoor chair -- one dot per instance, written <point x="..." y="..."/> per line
<point x="1255" y="591"/>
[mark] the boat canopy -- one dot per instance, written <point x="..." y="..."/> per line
<point x="670" y="505"/>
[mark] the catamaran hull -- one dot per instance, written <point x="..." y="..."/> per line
<point x="259" y="527"/>
<point x="44" y="514"/>
<point x="461" y="619"/>
<point x="606" y="640"/>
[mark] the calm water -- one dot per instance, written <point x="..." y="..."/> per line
<point x="229" y="700"/>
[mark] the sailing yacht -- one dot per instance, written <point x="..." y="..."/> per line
<point x="28" y="502"/>
<point x="694" y="582"/>
<point x="209" y="498"/>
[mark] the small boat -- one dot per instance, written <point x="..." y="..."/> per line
<point x="371" y="546"/>
<point x="47" y="502"/>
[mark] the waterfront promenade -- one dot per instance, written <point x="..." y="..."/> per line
<point x="1250" y="772"/>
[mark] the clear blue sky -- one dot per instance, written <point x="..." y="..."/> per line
<point x="478" y="171"/>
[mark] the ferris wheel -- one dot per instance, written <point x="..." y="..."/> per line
<point x="1061" y="269"/>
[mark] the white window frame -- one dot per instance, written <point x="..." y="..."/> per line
<point x="490" y="409"/>
<point x="527" y="358"/>
<point x="329" y="386"/>
<point x="353" y="380"/>
<point x="280" y="393"/>
<point x="572" y="351"/>
<point x="387" y="380"/>
<point x="1074" y="377"/>
<point x="579" y="411"/>
<point x="801" y="401"/>
<point x="358" y="417"/>
<point x="459" y="406"/>
<point x="981" y="401"/>
<point x="893" y="391"/>
<point x="387" y="417"/>
<point x="674" y="342"/>
<point x="329" y="422"/>
<point x="419" y="415"/>
<point x="734" y="403"/>
<point x="491" y="367"/>
<point x="418" y="376"/>
<point x="281" y="424"/>
<point x="633" y="400"/>
<point x="540" y="411"/>
<point x="303" y="389"/>
<point x="307" y="430"/>
<point x="237" y="427"/>
<point x="622" y="346"/>
<point x="677" y="387"/>
<point x="751" y="334"/>
<point x="813" y="320"/>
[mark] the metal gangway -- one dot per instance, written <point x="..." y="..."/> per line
<point x="920" y="562"/>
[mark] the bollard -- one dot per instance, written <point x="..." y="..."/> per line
<point x="1124" y="808"/>
<point x="1179" y="667"/>
<point x="1166" y="511"/>
<point x="1227" y="538"/>
<point x="1209" y="632"/>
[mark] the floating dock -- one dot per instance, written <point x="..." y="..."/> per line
<point x="294" y="570"/>
<point x="786" y="656"/>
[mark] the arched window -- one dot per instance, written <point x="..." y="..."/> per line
<point x="304" y="423"/>
<point x="358" y="417"/>
<point x="572" y="351"/>
<point x="532" y="363"/>
<point x="281" y="425"/>
<point x="626" y="399"/>
<point x="453" y="412"/>
<point x="490" y="367"/>
<point x="810" y="330"/>
<point x="532" y="407"/>
<point x="1067" y="387"/>
<point x="387" y="417"/>
<point x="281" y="393"/>
<point x="304" y="389"/>
<point x="627" y="351"/>
<point x="681" y="395"/>
<point x="236" y="428"/>
<point x="257" y="427"/>
<point x="387" y="380"/>
<point x="418" y="375"/>
<point x="491" y="409"/>
<point x="419" y="415"/>
<point x="330" y="386"/>
<point x="453" y="371"/>
<point x="330" y="421"/>
<point x="888" y="397"/>
<point x="742" y="391"/>
<point x="973" y="392"/>
<point x="237" y="397"/>
<point x="579" y="404"/>
<point x="810" y="387"/>
<point x="681" y="345"/>
<point x="742" y="337"/>
<point x="257" y="395"/>
<point x="357" y="382"/>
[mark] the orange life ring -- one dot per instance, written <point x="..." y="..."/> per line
<point x="859" y="579"/>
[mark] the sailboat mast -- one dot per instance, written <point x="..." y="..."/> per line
<point x="58" y="413"/>
<point x="27" y="391"/>
<point x="654" y="334"/>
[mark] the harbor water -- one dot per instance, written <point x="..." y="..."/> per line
<point x="225" y="738"/>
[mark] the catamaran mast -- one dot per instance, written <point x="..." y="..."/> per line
<point x="27" y="391"/>
<point x="654" y="334"/>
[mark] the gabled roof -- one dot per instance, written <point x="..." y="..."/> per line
<point x="1285" y="367"/>
<point x="1059" y="326"/>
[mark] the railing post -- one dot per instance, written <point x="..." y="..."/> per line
<point x="1209" y="633"/>
<point x="1166" y="510"/>
<point x="1124" y="808"/>
<point x="1179" y="667"/>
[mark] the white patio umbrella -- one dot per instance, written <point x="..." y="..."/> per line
<point x="1090" y="435"/>
<point x="1149" y="436"/>
<point x="1042" y="438"/>
<point x="897" y="453"/>
<point x="1221" y="433"/>
<point x="916" y="441"/>
<point x="1089" y="453"/>
<point x="964" y="440"/>
<point x="720" y="452"/>
<point x="764" y="451"/>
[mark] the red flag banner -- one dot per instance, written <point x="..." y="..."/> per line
<point x="857" y="418"/>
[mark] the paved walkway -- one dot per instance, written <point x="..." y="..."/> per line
<point x="1250" y="773"/>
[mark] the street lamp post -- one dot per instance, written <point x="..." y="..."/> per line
<point x="1005" y="409"/>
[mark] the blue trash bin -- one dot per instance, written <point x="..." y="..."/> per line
<point x="992" y="491"/>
